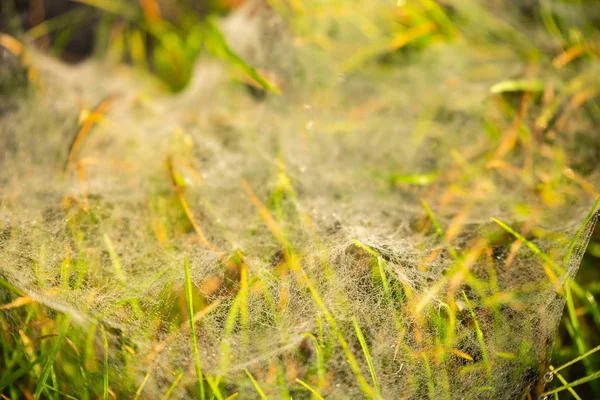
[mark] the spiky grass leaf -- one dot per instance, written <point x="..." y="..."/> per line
<point x="13" y="376"/>
<point x="256" y="385"/>
<point x="531" y="246"/>
<point x="190" y="306"/>
<point x="581" y="381"/>
<point x="310" y="389"/>
<point x="41" y="382"/>
<point x="365" y="349"/>
<point x="519" y="85"/>
<point x="480" y="338"/>
<point x="590" y="216"/>
<point x="218" y="45"/>
<point x="105" y="380"/>
<point x="172" y="387"/>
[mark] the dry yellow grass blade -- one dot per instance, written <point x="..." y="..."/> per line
<point x="585" y="184"/>
<point x="90" y="121"/>
<point x="266" y="216"/>
<point x="569" y="55"/>
<point x="186" y="208"/>
<point x="21" y="301"/>
<point x="406" y="37"/>
<point x="462" y="355"/>
<point x="151" y="10"/>
<point x="11" y="44"/>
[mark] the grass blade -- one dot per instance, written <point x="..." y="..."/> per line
<point x="434" y="221"/>
<point x="214" y="386"/>
<point x="225" y="347"/>
<point x="365" y="349"/>
<point x="219" y="45"/>
<point x="51" y="357"/>
<point x="518" y="85"/>
<point x="15" y="375"/>
<point x="573" y="361"/>
<point x="430" y="383"/>
<point x="564" y="382"/>
<point x="172" y="387"/>
<point x="105" y="384"/>
<point x="65" y="396"/>
<point x="583" y="226"/>
<point x="141" y="388"/>
<point x="190" y="305"/>
<point x="119" y="8"/>
<point x="414" y="179"/>
<point x="310" y="389"/>
<point x="531" y="246"/>
<point x="256" y="385"/>
<point x="577" y="382"/>
<point x="319" y="358"/>
<point x="480" y="338"/>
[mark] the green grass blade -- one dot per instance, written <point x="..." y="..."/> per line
<point x="518" y="85"/>
<point x="366" y="248"/>
<point x="384" y="280"/>
<point x="225" y="347"/>
<point x="119" y="8"/>
<point x="438" y="228"/>
<point x="573" y="361"/>
<point x="15" y="375"/>
<point x="114" y="258"/>
<point x="480" y="338"/>
<point x="549" y="21"/>
<point x="564" y="382"/>
<point x="430" y="383"/>
<point x="172" y="387"/>
<point x="365" y="349"/>
<point x="367" y="389"/>
<point x="65" y="396"/>
<point x="585" y="379"/>
<point x="434" y="221"/>
<point x="578" y="335"/>
<point x="141" y="387"/>
<point x="218" y="44"/>
<point x="531" y="246"/>
<point x="320" y="361"/>
<point x="41" y="382"/>
<point x="583" y="226"/>
<point x="214" y="386"/>
<point x="415" y="179"/>
<point x="105" y="382"/>
<point x="439" y="16"/>
<point x="256" y="385"/>
<point x="53" y="386"/>
<point x="7" y="285"/>
<point x="310" y="389"/>
<point x="190" y="305"/>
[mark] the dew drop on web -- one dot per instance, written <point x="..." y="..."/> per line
<point x="548" y="376"/>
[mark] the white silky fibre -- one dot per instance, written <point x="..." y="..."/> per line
<point x="345" y="163"/>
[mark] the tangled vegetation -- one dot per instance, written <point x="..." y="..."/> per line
<point x="302" y="199"/>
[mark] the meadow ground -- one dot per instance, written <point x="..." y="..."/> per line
<point x="300" y="199"/>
